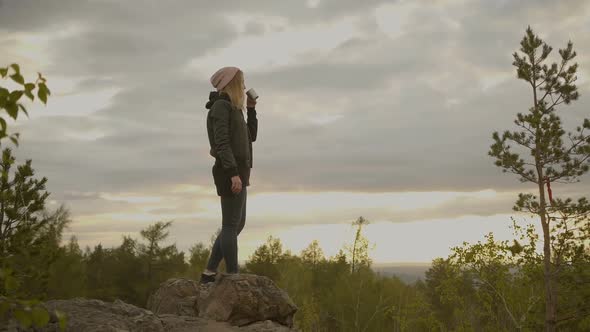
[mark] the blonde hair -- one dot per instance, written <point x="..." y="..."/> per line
<point x="235" y="90"/>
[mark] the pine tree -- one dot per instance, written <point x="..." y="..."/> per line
<point x="22" y="198"/>
<point x="265" y="259"/>
<point x="550" y="160"/>
<point x="313" y="254"/>
<point x="161" y="262"/>
<point x="359" y="251"/>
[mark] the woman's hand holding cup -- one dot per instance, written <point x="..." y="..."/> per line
<point x="252" y="97"/>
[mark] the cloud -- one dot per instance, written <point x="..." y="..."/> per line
<point x="372" y="112"/>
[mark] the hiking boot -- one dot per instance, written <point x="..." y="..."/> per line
<point x="207" y="278"/>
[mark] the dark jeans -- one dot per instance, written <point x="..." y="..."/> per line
<point x="233" y="211"/>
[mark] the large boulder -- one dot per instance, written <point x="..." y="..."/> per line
<point x="243" y="299"/>
<point x="239" y="299"/>
<point x="175" y="296"/>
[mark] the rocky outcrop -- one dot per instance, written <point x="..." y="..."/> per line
<point x="243" y="299"/>
<point x="95" y="315"/>
<point x="234" y="303"/>
<point x="239" y="299"/>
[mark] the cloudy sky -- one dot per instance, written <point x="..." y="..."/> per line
<point x="381" y="109"/>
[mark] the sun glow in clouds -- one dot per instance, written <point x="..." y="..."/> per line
<point x="298" y="218"/>
<point x="305" y="203"/>
<point x="419" y="241"/>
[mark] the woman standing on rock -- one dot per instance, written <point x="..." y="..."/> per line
<point x="230" y="138"/>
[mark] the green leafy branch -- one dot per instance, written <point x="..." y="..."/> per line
<point x="27" y="313"/>
<point x="10" y="100"/>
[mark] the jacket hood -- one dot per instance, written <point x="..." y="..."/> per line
<point x="214" y="96"/>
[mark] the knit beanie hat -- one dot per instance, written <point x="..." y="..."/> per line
<point x="223" y="76"/>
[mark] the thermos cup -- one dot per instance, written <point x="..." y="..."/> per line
<point x="252" y="94"/>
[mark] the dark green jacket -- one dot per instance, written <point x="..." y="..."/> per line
<point x="230" y="138"/>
